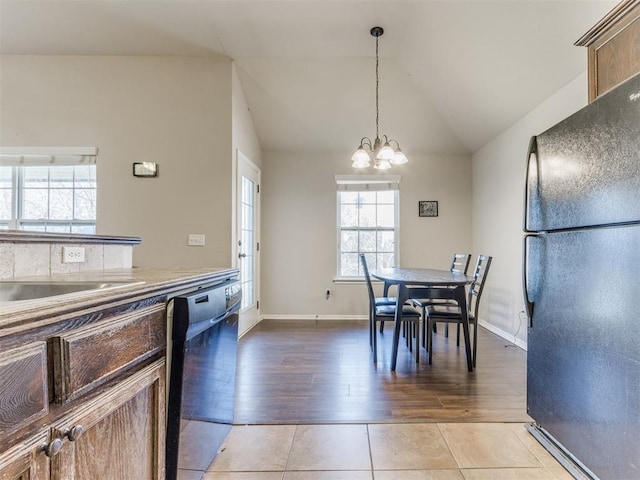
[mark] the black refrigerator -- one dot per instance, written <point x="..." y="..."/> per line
<point x="582" y="287"/>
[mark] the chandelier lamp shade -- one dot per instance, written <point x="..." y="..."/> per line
<point x="384" y="151"/>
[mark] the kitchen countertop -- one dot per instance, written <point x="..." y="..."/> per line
<point x="141" y="283"/>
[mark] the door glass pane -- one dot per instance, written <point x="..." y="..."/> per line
<point x="247" y="242"/>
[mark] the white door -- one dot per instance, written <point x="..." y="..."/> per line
<point x="248" y="238"/>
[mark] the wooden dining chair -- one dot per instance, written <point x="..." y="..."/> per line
<point x="383" y="312"/>
<point x="451" y="313"/>
<point x="459" y="264"/>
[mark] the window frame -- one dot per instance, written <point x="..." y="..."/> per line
<point x="366" y="183"/>
<point x="17" y="158"/>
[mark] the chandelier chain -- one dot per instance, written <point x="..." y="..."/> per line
<point x="383" y="155"/>
<point x="377" y="86"/>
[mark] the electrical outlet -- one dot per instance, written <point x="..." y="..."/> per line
<point x="196" y="239"/>
<point x="72" y="254"/>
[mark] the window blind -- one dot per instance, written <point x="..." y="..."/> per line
<point x="358" y="183"/>
<point x="48" y="155"/>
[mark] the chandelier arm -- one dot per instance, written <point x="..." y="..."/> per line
<point x="366" y="141"/>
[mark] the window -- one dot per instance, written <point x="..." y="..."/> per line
<point x="367" y="223"/>
<point x="56" y="196"/>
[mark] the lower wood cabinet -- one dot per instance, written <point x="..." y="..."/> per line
<point x="116" y="435"/>
<point x="119" y="435"/>
<point x="27" y="460"/>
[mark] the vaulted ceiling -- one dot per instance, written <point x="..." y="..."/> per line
<point x="453" y="74"/>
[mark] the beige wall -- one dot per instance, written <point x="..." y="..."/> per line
<point x="498" y="193"/>
<point x="299" y="228"/>
<point x="175" y="111"/>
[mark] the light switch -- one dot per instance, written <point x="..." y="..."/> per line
<point x="196" y="239"/>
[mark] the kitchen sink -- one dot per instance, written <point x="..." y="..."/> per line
<point x="11" y="291"/>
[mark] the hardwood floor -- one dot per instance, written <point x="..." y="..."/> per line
<point x="297" y="372"/>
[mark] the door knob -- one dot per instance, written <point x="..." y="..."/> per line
<point x="74" y="433"/>
<point x="52" y="448"/>
<point x="242" y="255"/>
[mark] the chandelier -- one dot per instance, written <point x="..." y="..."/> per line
<point x="382" y="154"/>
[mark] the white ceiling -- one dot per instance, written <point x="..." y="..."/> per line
<point x="453" y="74"/>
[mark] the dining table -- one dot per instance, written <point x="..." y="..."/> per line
<point x="418" y="283"/>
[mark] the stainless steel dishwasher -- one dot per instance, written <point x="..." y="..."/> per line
<point x="203" y="353"/>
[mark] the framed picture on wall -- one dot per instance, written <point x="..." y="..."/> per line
<point x="428" y="208"/>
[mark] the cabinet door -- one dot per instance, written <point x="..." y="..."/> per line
<point x="117" y="435"/>
<point x="26" y="461"/>
<point x="613" y="48"/>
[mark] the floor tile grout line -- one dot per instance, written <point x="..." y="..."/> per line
<point x="373" y="475"/>
<point x="444" y="438"/>
<point x="286" y="463"/>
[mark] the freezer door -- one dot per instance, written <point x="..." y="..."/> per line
<point x="586" y="170"/>
<point x="583" y="358"/>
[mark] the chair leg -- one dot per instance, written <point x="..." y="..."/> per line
<point x="416" y="336"/>
<point x="446" y="330"/>
<point x="458" y="335"/>
<point x="475" y="343"/>
<point x="430" y="326"/>
<point x="375" y="342"/>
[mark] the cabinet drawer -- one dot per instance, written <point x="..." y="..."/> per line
<point x="89" y="356"/>
<point x="23" y="390"/>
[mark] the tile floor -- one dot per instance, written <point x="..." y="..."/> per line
<point x="411" y="451"/>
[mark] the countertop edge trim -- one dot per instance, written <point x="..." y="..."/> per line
<point x="19" y="236"/>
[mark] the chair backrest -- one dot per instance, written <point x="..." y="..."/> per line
<point x="365" y="269"/>
<point x="477" y="286"/>
<point x="460" y="262"/>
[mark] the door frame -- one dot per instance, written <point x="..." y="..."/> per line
<point x="243" y="165"/>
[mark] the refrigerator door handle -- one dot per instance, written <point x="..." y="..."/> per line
<point x="530" y="184"/>
<point x="528" y="303"/>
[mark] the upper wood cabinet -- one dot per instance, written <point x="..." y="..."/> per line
<point x="613" y="48"/>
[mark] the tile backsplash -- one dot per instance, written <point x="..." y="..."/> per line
<point x="29" y="259"/>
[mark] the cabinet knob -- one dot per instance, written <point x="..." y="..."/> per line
<point x="74" y="433"/>
<point x="53" y="447"/>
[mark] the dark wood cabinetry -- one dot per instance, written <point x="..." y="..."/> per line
<point x="613" y="48"/>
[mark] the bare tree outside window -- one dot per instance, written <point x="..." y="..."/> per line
<point x="48" y="198"/>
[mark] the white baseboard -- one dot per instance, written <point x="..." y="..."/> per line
<point x="314" y="317"/>
<point x="492" y="328"/>
<point x="506" y="335"/>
